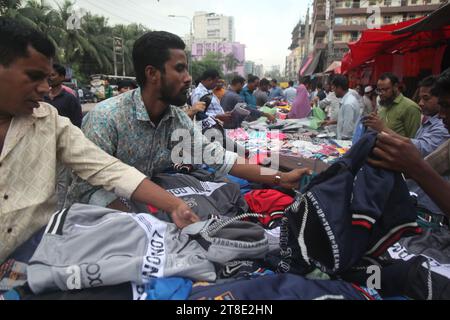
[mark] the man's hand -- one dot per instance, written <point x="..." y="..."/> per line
<point x="327" y="123"/>
<point x="315" y="101"/>
<point x="226" y="117"/>
<point x="183" y="216"/>
<point x="374" y="122"/>
<point x="291" y="180"/>
<point x="396" y="153"/>
<point x="198" y="107"/>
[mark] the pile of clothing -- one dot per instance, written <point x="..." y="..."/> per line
<point x="344" y="234"/>
<point x="300" y="142"/>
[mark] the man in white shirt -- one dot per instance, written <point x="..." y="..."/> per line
<point x="208" y="82"/>
<point x="349" y="111"/>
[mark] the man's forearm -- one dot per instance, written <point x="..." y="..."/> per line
<point x="253" y="172"/>
<point x="434" y="186"/>
<point x="150" y="193"/>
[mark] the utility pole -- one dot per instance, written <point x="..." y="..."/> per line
<point x="118" y="52"/>
<point x="307" y="35"/>
<point x="330" y="20"/>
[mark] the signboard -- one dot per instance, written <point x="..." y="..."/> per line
<point x="118" y="44"/>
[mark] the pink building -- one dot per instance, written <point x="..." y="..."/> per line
<point x="201" y="48"/>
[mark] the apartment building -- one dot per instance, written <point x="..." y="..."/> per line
<point x="353" y="16"/>
<point x="213" y="27"/>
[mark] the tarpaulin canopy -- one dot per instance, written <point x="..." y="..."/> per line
<point x="377" y="42"/>
<point x="335" y="67"/>
<point x="305" y="64"/>
<point x="313" y="65"/>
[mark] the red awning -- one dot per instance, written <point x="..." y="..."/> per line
<point x="334" y="67"/>
<point x="377" y="42"/>
<point x="306" y="62"/>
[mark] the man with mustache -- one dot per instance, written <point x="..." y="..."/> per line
<point x="137" y="127"/>
<point x="394" y="152"/>
<point x="397" y="112"/>
<point x="34" y="138"/>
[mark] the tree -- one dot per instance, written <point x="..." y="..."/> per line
<point x="129" y="33"/>
<point x="9" y="5"/>
<point x="212" y="60"/>
<point x="230" y="62"/>
<point x="88" y="50"/>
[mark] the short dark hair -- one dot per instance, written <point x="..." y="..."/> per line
<point x="264" y="82"/>
<point x="274" y="80"/>
<point x="392" y="77"/>
<point x="237" y="80"/>
<point x="340" y="81"/>
<point x="319" y="85"/>
<point x="15" y="38"/>
<point x="442" y="86"/>
<point x="210" y="74"/>
<point x="124" y="84"/>
<point x="291" y="83"/>
<point x="252" y="79"/>
<point x="304" y="80"/>
<point x="61" y="70"/>
<point x="428" y="82"/>
<point x="153" y="49"/>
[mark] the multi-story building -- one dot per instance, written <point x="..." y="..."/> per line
<point x="293" y="62"/>
<point x="249" y="67"/>
<point x="259" y="71"/>
<point x="353" y="16"/>
<point x="213" y="27"/>
<point x="201" y="48"/>
<point x="298" y="49"/>
<point x="215" y="33"/>
<point x="274" y="72"/>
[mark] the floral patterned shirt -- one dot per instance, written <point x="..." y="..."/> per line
<point x="122" y="127"/>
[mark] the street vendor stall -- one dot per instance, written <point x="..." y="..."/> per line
<point x="410" y="49"/>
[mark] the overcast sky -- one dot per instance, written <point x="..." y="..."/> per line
<point x="264" y="26"/>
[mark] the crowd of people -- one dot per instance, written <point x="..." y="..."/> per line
<point x="125" y="141"/>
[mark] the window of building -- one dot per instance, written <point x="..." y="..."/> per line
<point x="388" y="3"/>
<point x="339" y="4"/>
<point x="338" y="37"/>
<point x="355" y="21"/>
<point x="355" y="36"/>
<point x="387" y="19"/>
<point x="213" y="33"/>
<point x="213" y="22"/>
<point x="413" y="1"/>
<point x="372" y="2"/>
<point x="199" y="49"/>
<point x="412" y="16"/>
<point x="338" y="21"/>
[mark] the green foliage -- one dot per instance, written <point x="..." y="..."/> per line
<point x="88" y="50"/>
<point x="212" y="60"/>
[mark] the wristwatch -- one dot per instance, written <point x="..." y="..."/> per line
<point x="277" y="180"/>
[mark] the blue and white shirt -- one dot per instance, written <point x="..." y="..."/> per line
<point x="122" y="127"/>
<point x="213" y="110"/>
<point x="431" y="134"/>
